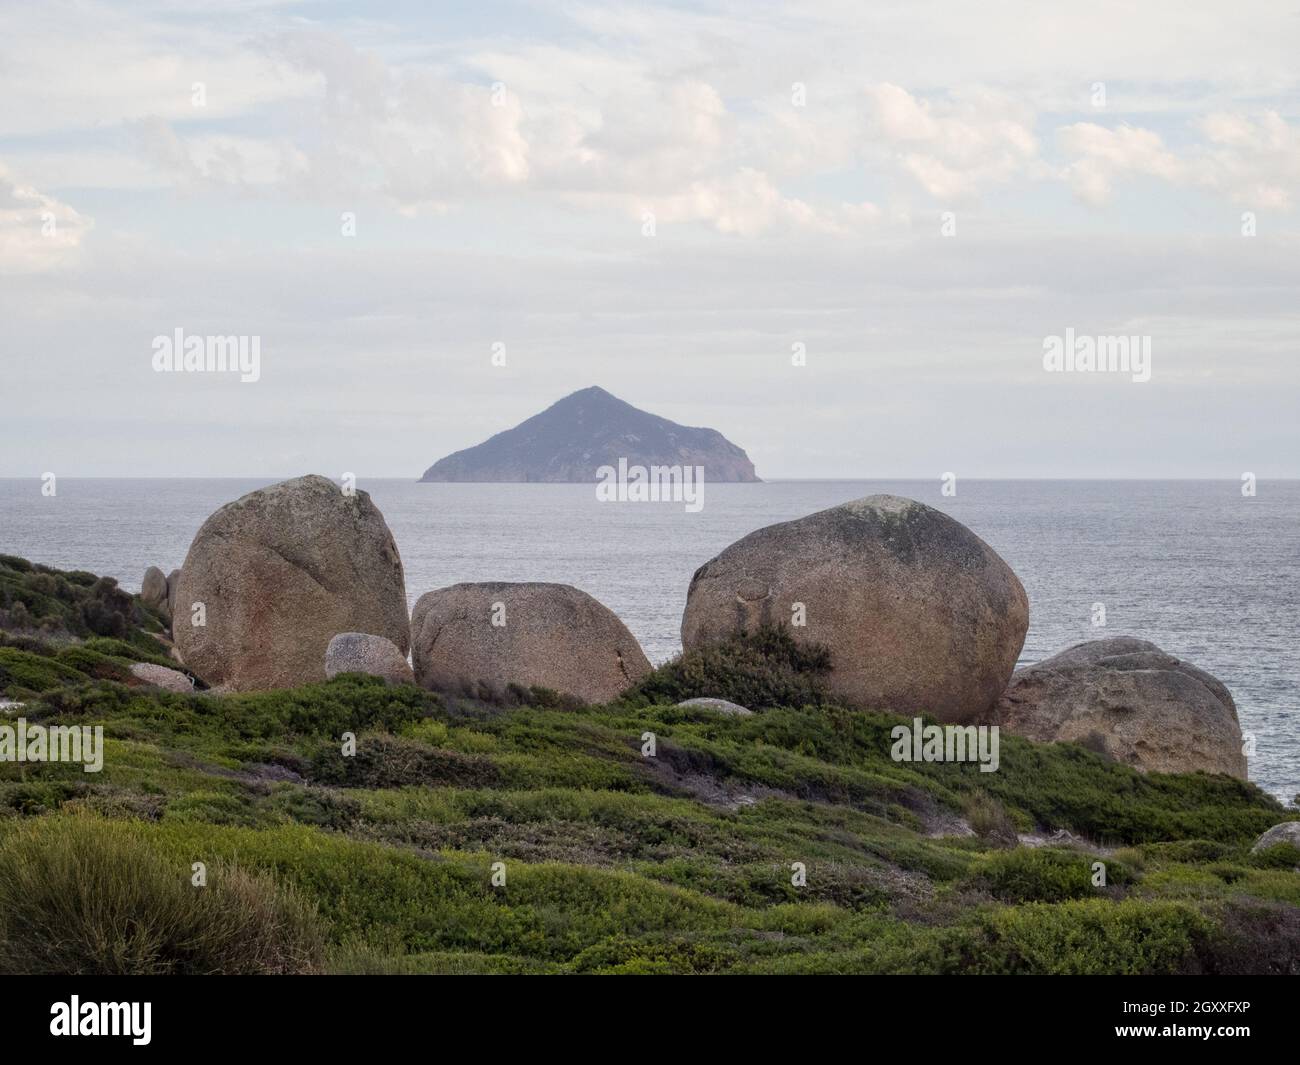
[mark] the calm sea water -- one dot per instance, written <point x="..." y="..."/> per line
<point x="1191" y="565"/>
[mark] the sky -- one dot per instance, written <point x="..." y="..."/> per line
<point x="841" y="234"/>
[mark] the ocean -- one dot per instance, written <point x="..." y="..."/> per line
<point x="1194" y="566"/>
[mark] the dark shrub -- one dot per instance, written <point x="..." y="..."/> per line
<point x="383" y="761"/>
<point x="1278" y="856"/>
<point x="1255" y="938"/>
<point x="758" y="670"/>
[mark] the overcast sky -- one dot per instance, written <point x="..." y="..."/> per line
<point x="198" y="159"/>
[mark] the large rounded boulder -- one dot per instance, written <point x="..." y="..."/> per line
<point x="277" y="574"/>
<point x="920" y="615"/>
<point x="1128" y="699"/>
<point x="481" y="638"/>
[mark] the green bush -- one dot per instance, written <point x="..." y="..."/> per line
<point x="1186" y="850"/>
<point x="621" y="955"/>
<point x="94" y="665"/>
<point x="24" y="674"/>
<point x="56" y="602"/>
<point x="1043" y="874"/>
<point x="1084" y="937"/>
<point x="1278" y="856"/>
<point x="383" y="761"/>
<point x="346" y="704"/>
<point x="131" y="652"/>
<point x="762" y="669"/>
<point x="78" y="899"/>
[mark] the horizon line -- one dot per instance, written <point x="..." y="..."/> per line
<point x="765" y="480"/>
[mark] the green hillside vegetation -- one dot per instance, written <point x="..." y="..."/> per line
<point x="613" y="862"/>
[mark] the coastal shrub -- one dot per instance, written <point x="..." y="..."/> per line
<point x="533" y="695"/>
<point x="1278" y="856"/>
<point x="36" y="665"/>
<point x="233" y="723"/>
<point x="30" y="797"/>
<point x="23" y="673"/>
<point x="213" y="807"/>
<point x="1251" y="937"/>
<point x="625" y="956"/>
<point x="1086" y="937"/>
<point x="79" y="900"/>
<point x="31" y="644"/>
<point x="1186" y="850"/>
<point x="1060" y="785"/>
<point x="322" y="807"/>
<point x="550" y="910"/>
<point x="761" y="669"/>
<point x="1043" y="874"/>
<point x="131" y="652"/>
<point x="384" y="761"/>
<point x="364" y="960"/>
<point x="42" y="599"/>
<point x="94" y="665"/>
<point x="989" y="819"/>
<point x="1080" y="937"/>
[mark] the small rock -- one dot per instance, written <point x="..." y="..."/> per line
<point x="161" y="677"/>
<point x="153" y="589"/>
<point x="721" y="706"/>
<point x="1286" y="832"/>
<point x="359" y="652"/>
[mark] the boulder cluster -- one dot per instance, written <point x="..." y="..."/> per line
<point x="302" y="581"/>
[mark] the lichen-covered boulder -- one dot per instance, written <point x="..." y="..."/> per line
<point x="1129" y="699"/>
<point x="920" y="615"/>
<point x="278" y="574"/>
<point x="359" y="652"/>
<point x="484" y="637"/>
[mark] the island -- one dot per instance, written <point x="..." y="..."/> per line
<point x="574" y="437"/>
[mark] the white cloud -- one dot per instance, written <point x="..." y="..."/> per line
<point x="958" y="146"/>
<point x="1101" y="156"/>
<point x="38" y="233"/>
<point x="67" y="65"/>
<point x="629" y="140"/>
<point x="1253" y="161"/>
<point x="747" y="204"/>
